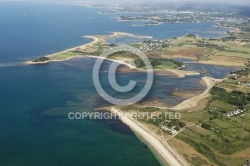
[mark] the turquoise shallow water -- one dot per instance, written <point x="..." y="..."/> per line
<point x="35" y="100"/>
<point x="35" y="129"/>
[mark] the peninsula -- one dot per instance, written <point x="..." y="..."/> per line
<point x="207" y="124"/>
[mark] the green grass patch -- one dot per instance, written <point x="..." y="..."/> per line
<point x="123" y="54"/>
<point x="217" y="123"/>
<point x="129" y="108"/>
<point x="149" y="109"/>
<point x="64" y="55"/>
<point x="222" y="105"/>
<point x="195" y="117"/>
<point x="239" y="49"/>
<point x="201" y="148"/>
<point x="198" y="161"/>
<point x="166" y="65"/>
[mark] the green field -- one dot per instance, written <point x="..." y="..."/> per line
<point x="148" y="109"/>
<point x="166" y="65"/>
<point x="63" y="55"/>
<point x="215" y="135"/>
<point x="239" y="49"/>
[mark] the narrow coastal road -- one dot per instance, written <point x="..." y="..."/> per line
<point x="169" y="155"/>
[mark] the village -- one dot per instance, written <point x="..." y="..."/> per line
<point x="170" y="126"/>
<point x="178" y="16"/>
<point x="154" y="45"/>
<point x="238" y="74"/>
<point x="236" y="112"/>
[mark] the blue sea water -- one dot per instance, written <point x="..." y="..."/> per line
<point x="29" y="30"/>
<point x="35" y="99"/>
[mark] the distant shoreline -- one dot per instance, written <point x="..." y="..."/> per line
<point x="96" y="39"/>
<point x="166" y="152"/>
<point x="102" y="39"/>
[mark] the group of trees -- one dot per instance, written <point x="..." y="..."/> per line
<point x="41" y="59"/>
<point x="176" y="123"/>
<point x="235" y="98"/>
<point x="192" y="35"/>
<point x="155" y="62"/>
<point x="228" y="38"/>
<point x="243" y="72"/>
<point x="209" y="45"/>
<point x="239" y="99"/>
<point x="206" y="126"/>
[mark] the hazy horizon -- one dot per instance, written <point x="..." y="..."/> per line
<point x="226" y="2"/>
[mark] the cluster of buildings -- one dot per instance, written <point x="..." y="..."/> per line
<point x="169" y="130"/>
<point x="246" y="84"/>
<point x="236" y="112"/>
<point x="151" y="45"/>
<point x="234" y="76"/>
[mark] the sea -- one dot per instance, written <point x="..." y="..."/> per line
<point x="35" y="99"/>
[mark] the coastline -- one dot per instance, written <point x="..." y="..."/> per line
<point x="175" y="72"/>
<point x="42" y="91"/>
<point x="192" y="102"/>
<point x="221" y="63"/>
<point x="183" y="73"/>
<point x="102" y="39"/>
<point x="169" y="155"/>
<point x="113" y="60"/>
<point x="37" y="63"/>
<point x="163" y="149"/>
<point x="166" y="153"/>
<point x="209" y="82"/>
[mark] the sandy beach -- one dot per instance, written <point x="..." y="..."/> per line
<point x="209" y="82"/>
<point x="89" y="47"/>
<point x="118" y="34"/>
<point x="174" y="72"/>
<point x="183" y="73"/>
<point x="167" y="153"/>
<point x="113" y="60"/>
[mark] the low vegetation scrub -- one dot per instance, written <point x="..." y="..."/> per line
<point x="41" y="59"/>
<point x="158" y="62"/>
